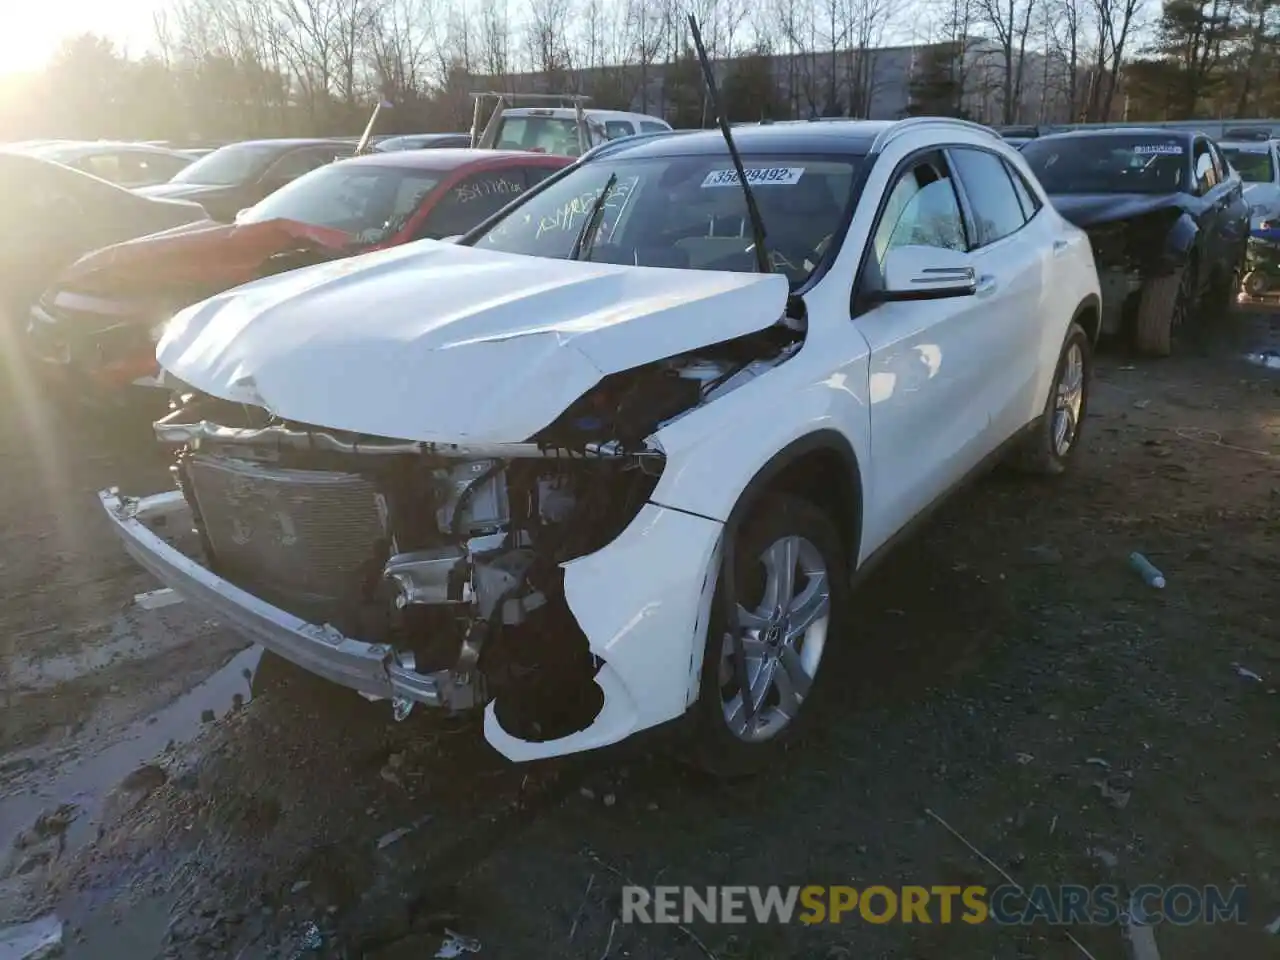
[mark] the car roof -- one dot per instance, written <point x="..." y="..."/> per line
<point x="1086" y="134"/>
<point x="288" y="143"/>
<point x="89" y="147"/>
<point x="1250" y="146"/>
<point x="451" y="158"/>
<point x="834" y="136"/>
<point x="569" y="113"/>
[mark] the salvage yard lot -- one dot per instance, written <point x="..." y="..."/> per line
<point x="1005" y="663"/>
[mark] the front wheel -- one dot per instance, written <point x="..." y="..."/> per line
<point x="1164" y="307"/>
<point x="791" y="583"/>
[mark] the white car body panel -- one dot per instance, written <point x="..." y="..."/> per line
<point x="1259" y="194"/>
<point x="507" y="343"/>
<point x="437" y="343"/>
<point x="639" y="625"/>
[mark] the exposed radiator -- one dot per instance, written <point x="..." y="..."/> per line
<point x="304" y="535"/>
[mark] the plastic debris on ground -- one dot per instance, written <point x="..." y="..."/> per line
<point x="387" y="839"/>
<point x="1246" y="673"/>
<point x="32" y="941"/>
<point x="1140" y="936"/>
<point x="1147" y="570"/>
<point x="155" y="599"/>
<point x="1268" y="358"/>
<point x="455" y="945"/>
<point x="310" y="941"/>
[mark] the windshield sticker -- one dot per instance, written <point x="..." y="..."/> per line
<point x="1163" y="149"/>
<point x="569" y="216"/>
<point x="757" y="177"/>
<point x="466" y="192"/>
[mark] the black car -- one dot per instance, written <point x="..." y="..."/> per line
<point x="52" y="215"/>
<point x="238" y="175"/>
<point x="1166" y="216"/>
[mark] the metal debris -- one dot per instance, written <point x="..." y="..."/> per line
<point x="1023" y="758"/>
<point x="32" y="941"/>
<point x="455" y="945"/>
<point x="1099" y="762"/>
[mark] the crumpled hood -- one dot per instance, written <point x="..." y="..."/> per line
<point x="206" y="256"/>
<point x="440" y="343"/>
<point x="1089" y="209"/>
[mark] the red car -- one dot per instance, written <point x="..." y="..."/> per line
<point x="98" y="323"/>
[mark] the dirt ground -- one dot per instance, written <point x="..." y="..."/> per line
<point x="1009" y="674"/>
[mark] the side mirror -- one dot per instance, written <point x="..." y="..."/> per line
<point x="927" y="273"/>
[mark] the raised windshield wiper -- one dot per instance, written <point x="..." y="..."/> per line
<point x="586" y="238"/>
<point x="763" y="263"/>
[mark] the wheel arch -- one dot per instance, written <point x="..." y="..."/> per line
<point x="1088" y="315"/>
<point x="820" y="467"/>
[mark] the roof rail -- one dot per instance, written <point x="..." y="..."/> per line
<point x="915" y="123"/>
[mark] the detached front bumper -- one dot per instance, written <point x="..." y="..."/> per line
<point x="375" y="670"/>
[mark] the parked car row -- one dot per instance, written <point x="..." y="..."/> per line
<point x="595" y="444"/>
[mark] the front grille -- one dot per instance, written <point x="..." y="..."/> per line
<point x="298" y="537"/>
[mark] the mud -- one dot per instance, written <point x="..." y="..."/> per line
<point x="1009" y="674"/>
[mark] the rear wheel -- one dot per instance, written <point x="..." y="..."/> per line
<point x="1048" y="449"/>
<point x="1164" y="307"/>
<point x="792" y="586"/>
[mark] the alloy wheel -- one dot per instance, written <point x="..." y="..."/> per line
<point x="783" y="636"/>
<point x="1070" y="400"/>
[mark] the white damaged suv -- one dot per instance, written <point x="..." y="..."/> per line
<point x="614" y="458"/>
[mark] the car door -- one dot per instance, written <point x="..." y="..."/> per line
<point x="1211" y="212"/>
<point x="1233" y="214"/>
<point x="1013" y="256"/>
<point x="469" y="201"/>
<point x="926" y="376"/>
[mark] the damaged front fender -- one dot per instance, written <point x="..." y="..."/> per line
<point x="643" y="602"/>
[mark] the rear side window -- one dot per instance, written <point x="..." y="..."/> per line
<point x="613" y="129"/>
<point x="996" y="209"/>
<point x="1027" y="198"/>
<point x="648" y="126"/>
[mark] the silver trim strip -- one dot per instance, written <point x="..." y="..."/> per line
<point x="374" y="670"/>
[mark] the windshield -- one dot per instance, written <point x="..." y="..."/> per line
<point x="369" y="202"/>
<point x="230" y="165"/>
<point x="1255" y="166"/>
<point x="687" y="212"/>
<point x="1109" y="164"/>
<point x="555" y="135"/>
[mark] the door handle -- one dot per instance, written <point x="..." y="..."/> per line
<point x="1059" y="247"/>
<point x="986" y="285"/>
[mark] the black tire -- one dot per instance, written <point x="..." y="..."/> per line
<point x="1164" y="305"/>
<point x="1220" y="296"/>
<point x="1040" y="453"/>
<point x="714" y="747"/>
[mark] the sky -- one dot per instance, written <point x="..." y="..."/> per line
<point x="33" y="31"/>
